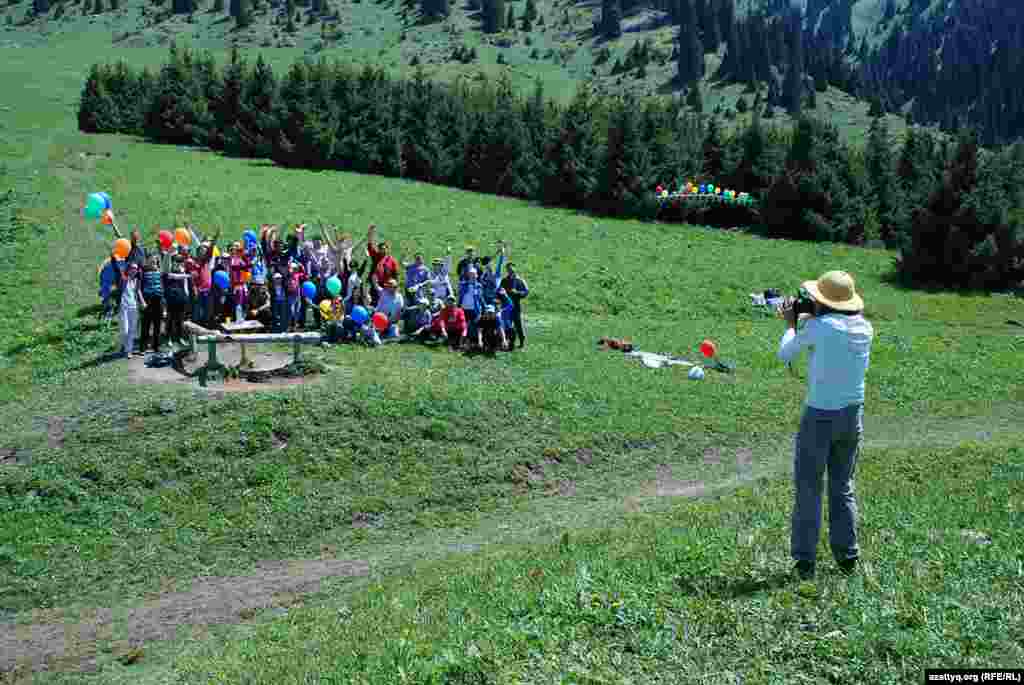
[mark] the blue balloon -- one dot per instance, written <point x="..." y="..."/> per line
<point x="309" y="290"/>
<point x="360" y="315"/>
<point x="107" y="204"/>
<point x="221" y="279"/>
<point x="249" y="237"/>
<point x="703" y="188"/>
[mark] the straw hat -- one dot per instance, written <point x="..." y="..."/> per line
<point x="835" y="289"/>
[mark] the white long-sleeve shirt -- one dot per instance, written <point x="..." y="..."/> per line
<point x="840" y="350"/>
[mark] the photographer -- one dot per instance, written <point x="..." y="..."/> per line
<point x="839" y="340"/>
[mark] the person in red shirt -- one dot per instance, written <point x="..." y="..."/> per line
<point x="384" y="266"/>
<point x="453" y="323"/>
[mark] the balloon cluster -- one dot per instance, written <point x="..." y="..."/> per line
<point x="690" y="190"/>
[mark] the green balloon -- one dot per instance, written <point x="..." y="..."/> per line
<point x="334" y="286"/>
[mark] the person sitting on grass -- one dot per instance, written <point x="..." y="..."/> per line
<point x="471" y="301"/>
<point x="453" y="324"/>
<point x="131" y="296"/>
<point x="491" y="332"/>
<point x="417" y="325"/>
<point x="391" y="304"/>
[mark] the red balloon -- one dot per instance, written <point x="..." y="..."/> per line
<point x="707" y="348"/>
<point x="165" y="239"/>
<point x="380" y="321"/>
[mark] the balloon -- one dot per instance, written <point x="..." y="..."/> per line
<point x="658" y="189"/>
<point x="664" y="193"/>
<point x="325" y="307"/>
<point x="182" y="237"/>
<point x="309" y="290"/>
<point x="108" y="217"/>
<point x="122" y="247"/>
<point x="107" y="204"/>
<point x="250" y="237"/>
<point x="221" y="279"/>
<point x="708" y="349"/>
<point x="359" y="314"/>
<point x="246" y="276"/>
<point x="94" y="205"/>
<point x="380" y="321"/>
<point x="334" y="288"/>
<point x="165" y="239"/>
<point x="216" y="251"/>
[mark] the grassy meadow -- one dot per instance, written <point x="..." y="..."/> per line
<point x="513" y="511"/>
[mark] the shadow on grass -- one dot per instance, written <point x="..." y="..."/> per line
<point x="104" y="358"/>
<point x="894" y="278"/>
<point x="723" y="587"/>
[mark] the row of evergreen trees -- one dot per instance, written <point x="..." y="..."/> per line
<point x="947" y="209"/>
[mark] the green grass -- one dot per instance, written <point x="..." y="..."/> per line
<point x="153" y="486"/>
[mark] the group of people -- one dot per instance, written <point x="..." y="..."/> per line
<point x="353" y="290"/>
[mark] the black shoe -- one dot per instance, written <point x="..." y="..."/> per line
<point x="805" y="569"/>
<point x="847" y="566"/>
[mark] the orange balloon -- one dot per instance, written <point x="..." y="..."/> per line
<point x="246" y="276"/>
<point x="122" y="247"/>
<point x="182" y="237"/>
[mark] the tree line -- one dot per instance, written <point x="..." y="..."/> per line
<point x="947" y="205"/>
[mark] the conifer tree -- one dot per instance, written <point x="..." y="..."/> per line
<point x="713" y="151"/>
<point x="234" y="8"/>
<point x="793" y="89"/>
<point x="611" y="18"/>
<point x="881" y="175"/>
<point x="510" y="17"/>
<point x="691" y="53"/>
<point x="96" y="113"/>
<point x="568" y="176"/>
<point x="244" y="18"/>
<point x="40" y="7"/>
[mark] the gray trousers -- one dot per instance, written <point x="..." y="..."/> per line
<point x="828" y="440"/>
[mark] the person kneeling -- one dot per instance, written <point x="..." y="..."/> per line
<point x="491" y="332"/>
<point x="453" y="323"/>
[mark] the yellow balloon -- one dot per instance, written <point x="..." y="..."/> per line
<point x="216" y="251"/>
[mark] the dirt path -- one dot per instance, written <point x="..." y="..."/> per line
<point x="52" y="641"/>
<point x="73" y="644"/>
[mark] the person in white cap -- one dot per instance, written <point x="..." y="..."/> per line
<point x="831" y="428"/>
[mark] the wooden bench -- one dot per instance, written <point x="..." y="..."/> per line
<point x="200" y="335"/>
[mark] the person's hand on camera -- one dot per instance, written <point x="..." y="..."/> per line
<point x="789" y="314"/>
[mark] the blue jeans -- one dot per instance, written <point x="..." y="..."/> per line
<point x="827" y="441"/>
<point x="281" y="315"/>
<point x="201" y="313"/>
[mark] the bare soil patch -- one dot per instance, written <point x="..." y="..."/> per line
<point x="264" y="361"/>
<point x="74" y="645"/>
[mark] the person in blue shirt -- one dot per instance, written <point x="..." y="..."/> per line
<point x="506" y="316"/>
<point x="515" y="286"/>
<point x="489" y="279"/>
<point x="471" y="300"/>
<point x="109" y="288"/>
<point x="831" y="428"/>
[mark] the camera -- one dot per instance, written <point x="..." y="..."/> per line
<point x="803" y="304"/>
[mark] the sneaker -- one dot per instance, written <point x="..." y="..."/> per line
<point x="805" y="569"/>
<point x="847" y="566"/>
